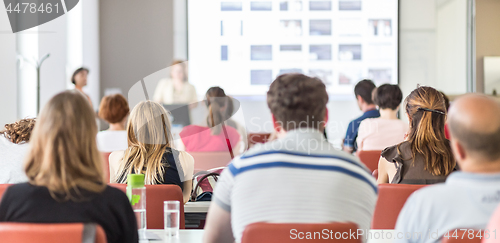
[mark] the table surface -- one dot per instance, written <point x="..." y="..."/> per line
<point x="196" y="207"/>
<point x="196" y="236"/>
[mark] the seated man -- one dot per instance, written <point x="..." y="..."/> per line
<point x="363" y="91"/>
<point x="298" y="178"/>
<point x="469" y="197"/>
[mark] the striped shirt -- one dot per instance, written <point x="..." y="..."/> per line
<point x="300" y="178"/>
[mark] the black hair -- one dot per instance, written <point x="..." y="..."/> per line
<point x="387" y="96"/>
<point x="364" y="88"/>
<point x="78" y="71"/>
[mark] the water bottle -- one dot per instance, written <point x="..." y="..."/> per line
<point x="136" y="192"/>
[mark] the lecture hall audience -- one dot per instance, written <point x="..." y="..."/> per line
<point x="469" y="197"/>
<point x="114" y="110"/>
<point x="13" y="148"/>
<point x="151" y="151"/>
<point x="388" y="129"/>
<point x="266" y="183"/>
<point x="219" y="133"/>
<point x="363" y="92"/>
<point x="66" y="181"/>
<point x="425" y="156"/>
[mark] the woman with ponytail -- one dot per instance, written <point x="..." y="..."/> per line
<point x="219" y="133"/>
<point x="150" y="151"/>
<point x="425" y="156"/>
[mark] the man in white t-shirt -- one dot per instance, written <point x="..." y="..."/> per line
<point x="298" y="178"/>
<point x="469" y="197"/>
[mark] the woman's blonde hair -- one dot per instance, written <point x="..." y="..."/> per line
<point x="149" y="136"/>
<point x="427" y="111"/>
<point x="64" y="156"/>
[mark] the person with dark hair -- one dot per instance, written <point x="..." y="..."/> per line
<point x="114" y="110"/>
<point x="470" y="196"/>
<point x="284" y="181"/>
<point x="387" y="130"/>
<point x="13" y="148"/>
<point x="211" y="136"/>
<point x="425" y="156"/>
<point x="79" y="79"/>
<point x="363" y="92"/>
<point x="176" y="89"/>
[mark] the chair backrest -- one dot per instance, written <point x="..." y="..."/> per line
<point x="254" y="138"/>
<point x="105" y="158"/>
<point x="209" y="160"/>
<point x="391" y="199"/>
<point x="370" y="158"/>
<point x="155" y="196"/>
<point x="464" y="236"/>
<point x="53" y="233"/>
<point x="3" y="187"/>
<point x="285" y="233"/>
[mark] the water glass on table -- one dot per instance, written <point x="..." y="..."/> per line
<point x="171" y="218"/>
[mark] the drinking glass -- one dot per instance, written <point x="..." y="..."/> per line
<point x="171" y="218"/>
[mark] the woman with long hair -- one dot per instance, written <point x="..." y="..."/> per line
<point x="65" y="173"/>
<point x="212" y="136"/>
<point x="150" y="151"/>
<point x="425" y="157"/>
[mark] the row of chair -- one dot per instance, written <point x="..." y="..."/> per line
<point x="254" y="233"/>
<point x="391" y="200"/>
<point x="155" y="196"/>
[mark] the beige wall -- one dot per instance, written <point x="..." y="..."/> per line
<point x="487" y="35"/>
<point x="136" y="40"/>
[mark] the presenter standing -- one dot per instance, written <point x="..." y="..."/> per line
<point x="79" y="79"/>
<point x="176" y="89"/>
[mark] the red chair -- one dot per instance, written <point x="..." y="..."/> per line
<point x="209" y="160"/>
<point x="460" y="237"/>
<point x="283" y="233"/>
<point x="155" y="196"/>
<point x="53" y="233"/>
<point x="370" y="158"/>
<point x="254" y="138"/>
<point x="105" y="157"/>
<point x="3" y="187"/>
<point x="391" y="199"/>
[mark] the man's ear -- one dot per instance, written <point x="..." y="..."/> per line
<point x="276" y="125"/>
<point x="360" y="100"/>
<point x="326" y="116"/>
<point x="458" y="150"/>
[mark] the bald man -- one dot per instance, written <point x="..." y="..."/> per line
<point x="469" y="197"/>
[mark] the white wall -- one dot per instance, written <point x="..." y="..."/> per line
<point x="8" y="80"/>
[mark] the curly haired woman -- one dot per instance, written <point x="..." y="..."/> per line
<point x="13" y="148"/>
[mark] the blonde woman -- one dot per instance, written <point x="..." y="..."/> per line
<point x="64" y="169"/>
<point x="150" y="151"/>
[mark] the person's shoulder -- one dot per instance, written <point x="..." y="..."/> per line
<point x="116" y="156"/>
<point x="24" y="190"/>
<point x="186" y="157"/>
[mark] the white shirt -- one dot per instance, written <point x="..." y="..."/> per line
<point x="110" y="141"/>
<point x="464" y="201"/>
<point x="12" y="161"/>
<point x="300" y="178"/>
